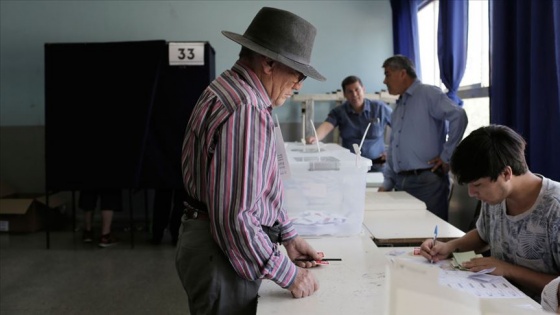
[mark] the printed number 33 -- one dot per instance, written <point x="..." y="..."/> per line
<point x="182" y="54"/>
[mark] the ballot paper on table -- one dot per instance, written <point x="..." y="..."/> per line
<point x="484" y="275"/>
<point x="415" y="288"/>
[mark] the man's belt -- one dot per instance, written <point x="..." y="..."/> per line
<point x="194" y="209"/>
<point x="379" y="160"/>
<point x="194" y="214"/>
<point x="414" y="172"/>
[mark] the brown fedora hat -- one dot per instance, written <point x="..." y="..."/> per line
<point x="281" y="36"/>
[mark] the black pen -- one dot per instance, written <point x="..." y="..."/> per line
<point x="324" y="259"/>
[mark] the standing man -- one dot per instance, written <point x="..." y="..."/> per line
<point x="353" y="118"/>
<point x="420" y="145"/>
<point x="234" y="218"/>
<point x="520" y="213"/>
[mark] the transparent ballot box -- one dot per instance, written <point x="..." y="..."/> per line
<point x="325" y="194"/>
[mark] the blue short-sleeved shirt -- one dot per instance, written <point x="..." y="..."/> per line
<point x="352" y="126"/>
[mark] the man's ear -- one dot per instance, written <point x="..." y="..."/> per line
<point x="267" y="65"/>
<point x="508" y="173"/>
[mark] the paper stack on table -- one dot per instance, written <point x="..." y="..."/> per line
<point x="460" y="258"/>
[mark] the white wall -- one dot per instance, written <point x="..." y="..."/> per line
<point x="354" y="37"/>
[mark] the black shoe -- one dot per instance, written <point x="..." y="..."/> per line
<point x="107" y="240"/>
<point x="87" y="237"/>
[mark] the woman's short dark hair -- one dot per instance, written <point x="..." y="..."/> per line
<point x="399" y="62"/>
<point x="486" y="152"/>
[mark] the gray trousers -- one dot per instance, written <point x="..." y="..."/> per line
<point x="211" y="283"/>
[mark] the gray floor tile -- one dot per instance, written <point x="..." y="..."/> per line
<point x="77" y="278"/>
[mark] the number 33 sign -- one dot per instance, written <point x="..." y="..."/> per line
<point x="186" y="54"/>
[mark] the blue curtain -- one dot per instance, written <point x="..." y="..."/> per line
<point x="453" y="24"/>
<point x="405" y="30"/>
<point x="525" y="77"/>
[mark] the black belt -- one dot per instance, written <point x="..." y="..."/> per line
<point x="379" y="160"/>
<point x="194" y="209"/>
<point x="194" y="214"/>
<point x="414" y="172"/>
<point x="273" y="232"/>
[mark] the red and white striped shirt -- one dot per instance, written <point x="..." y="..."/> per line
<point x="229" y="163"/>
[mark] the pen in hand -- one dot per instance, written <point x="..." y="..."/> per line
<point x="434" y="241"/>
<point x="324" y="259"/>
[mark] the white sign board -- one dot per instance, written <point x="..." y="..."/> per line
<point x="186" y="54"/>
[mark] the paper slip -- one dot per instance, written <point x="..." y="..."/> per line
<point x="281" y="155"/>
<point x="484" y="276"/>
<point x="460" y="258"/>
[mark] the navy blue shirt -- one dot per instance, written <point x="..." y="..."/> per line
<point x="352" y="126"/>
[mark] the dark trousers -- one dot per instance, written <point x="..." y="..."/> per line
<point x="432" y="188"/>
<point x="211" y="283"/>
<point x="167" y="211"/>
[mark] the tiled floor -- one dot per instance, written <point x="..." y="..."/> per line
<point x="76" y="278"/>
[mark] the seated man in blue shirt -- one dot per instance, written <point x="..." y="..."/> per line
<point x="352" y="119"/>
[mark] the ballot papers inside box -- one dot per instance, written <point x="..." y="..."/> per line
<point x="325" y="193"/>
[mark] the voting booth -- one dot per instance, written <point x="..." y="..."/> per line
<point x="325" y="192"/>
<point x="116" y="112"/>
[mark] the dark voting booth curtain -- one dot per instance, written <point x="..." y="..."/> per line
<point x="115" y="114"/>
<point x="525" y="77"/>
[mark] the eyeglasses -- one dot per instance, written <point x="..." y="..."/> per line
<point x="301" y="77"/>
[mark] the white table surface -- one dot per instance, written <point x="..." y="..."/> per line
<point x="354" y="285"/>
<point x="390" y="227"/>
<point x="524" y="302"/>
<point x="391" y="200"/>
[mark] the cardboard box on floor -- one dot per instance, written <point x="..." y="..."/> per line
<point x="25" y="212"/>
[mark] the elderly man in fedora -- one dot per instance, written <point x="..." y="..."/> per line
<point x="234" y="219"/>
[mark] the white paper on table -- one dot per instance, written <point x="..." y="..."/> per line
<point x="414" y="288"/>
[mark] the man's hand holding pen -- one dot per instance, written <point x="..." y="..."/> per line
<point x="305" y="282"/>
<point x="434" y="250"/>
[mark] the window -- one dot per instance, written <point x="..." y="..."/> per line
<point x="474" y="85"/>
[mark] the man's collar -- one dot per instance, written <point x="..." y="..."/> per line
<point x="249" y="76"/>
<point x="413" y="87"/>
<point x="366" y="108"/>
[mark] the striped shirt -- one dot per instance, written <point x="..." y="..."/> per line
<point x="229" y="163"/>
